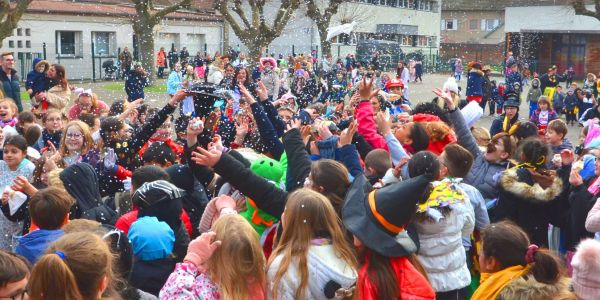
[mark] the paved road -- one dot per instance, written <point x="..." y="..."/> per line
<point x="419" y="92"/>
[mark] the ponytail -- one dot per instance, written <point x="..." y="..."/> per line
<point x="545" y="266"/>
<point x="52" y="279"/>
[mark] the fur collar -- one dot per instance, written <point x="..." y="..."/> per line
<point x="510" y="182"/>
<point x="527" y="287"/>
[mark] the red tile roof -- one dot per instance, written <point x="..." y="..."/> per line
<point x="104" y="8"/>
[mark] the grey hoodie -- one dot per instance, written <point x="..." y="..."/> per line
<point x="534" y="93"/>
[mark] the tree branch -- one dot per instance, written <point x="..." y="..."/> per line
<point x="580" y="9"/>
<point x="169" y="9"/>
<point x="239" y="10"/>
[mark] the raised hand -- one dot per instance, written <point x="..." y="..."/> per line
<point x="206" y="158"/>
<point x="447" y="97"/>
<point x="21" y="184"/>
<point x="216" y="143"/>
<point x="201" y="249"/>
<point x="178" y="97"/>
<point x="261" y="90"/>
<point x="365" y="89"/>
<point x="348" y="133"/>
<point x="324" y="131"/>
<point x="294" y="123"/>
<point x="246" y="94"/>
<point x="382" y="123"/>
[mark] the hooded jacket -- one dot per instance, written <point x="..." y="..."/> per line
<point x="483" y="174"/>
<point x="324" y="269"/>
<point x="81" y="182"/>
<point x="534" y="93"/>
<point x="527" y="288"/>
<point x="36" y="81"/>
<point x="475" y="83"/>
<point x="528" y="204"/>
<point x="34" y="244"/>
<point x="215" y="75"/>
<point x="194" y="199"/>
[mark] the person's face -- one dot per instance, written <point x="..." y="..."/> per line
<point x="96" y="125"/>
<point x="164" y="131"/>
<point x="339" y="77"/>
<point x="13" y="156"/>
<point x="54" y="122"/>
<point x="267" y="65"/>
<point x="400" y="65"/>
<point x="124" y="133"/>
<point x="51" y="72"/>
<point x="6" y="112"/>
<point x="241" y="76"/>
<point x="41" y="69"/>
<point x="85" y="102"/>
<point x="15" y="290"/>
<point x="74" y="139"/>
<point x="225" y="60"/>
<point x="8" y="62"/>
<point x="375" y="105"/>
<point x="177" y="67"/>
<point x="553" y="138"/>
<point x="580" y="94"/>
<point x="402" y="133"/>
<point x="229" y="72"/>
<point x="396" y="90"/>
<point x="543" y="106"/>
<point x="495" y="151"/>
<point x="285" y="115"/>
<point x="510" y="111"/>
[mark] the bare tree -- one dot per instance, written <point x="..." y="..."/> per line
<point x="144" y="20"/>
<point x="323" y="19"/>
<point x="254" y="32"/>
<point x="580" y="9"/>
<point x="10" y="16"/>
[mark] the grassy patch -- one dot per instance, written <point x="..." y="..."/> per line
<point x="24" y="96"/>
<point x="120" y="86"/>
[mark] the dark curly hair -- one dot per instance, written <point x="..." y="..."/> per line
<point x="431" y="108"/>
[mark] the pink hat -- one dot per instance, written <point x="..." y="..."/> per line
<point x="586" y="270"/>
<point x="271" y="60"/>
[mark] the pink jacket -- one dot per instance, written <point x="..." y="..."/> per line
<point x="367" y="127"/>
<point x="592" y="222"/>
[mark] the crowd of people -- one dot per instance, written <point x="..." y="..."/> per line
<point x="295" y="182"/>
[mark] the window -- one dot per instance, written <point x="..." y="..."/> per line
<point x="104" y="43"/>
<point x="11" y="44"/>
<point x="27" y="44"/>
<point x="20" y="31"/>
<point x="422" y="41"/>
<point x="489" y="25"/>
<point x="19" y="44"/>
<point x="473" y="24"/>
<point x="432" y="41"/>
<point x="27" y="32"/>
<point x="449" y="24"/>
<point x="68" y="43"/>
<point x="407" y="40"/>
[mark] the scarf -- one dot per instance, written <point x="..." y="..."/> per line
<point x="492" y="284"/>
<point x="12" y="122"/>
<point x="411" y="283"/>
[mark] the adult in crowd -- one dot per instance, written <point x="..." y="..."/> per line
<point x="9" y="78"/>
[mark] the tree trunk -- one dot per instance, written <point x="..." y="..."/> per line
<point x="325" y="44"/>
<point x="146" y="49"/>
<point x="255" y="51"/>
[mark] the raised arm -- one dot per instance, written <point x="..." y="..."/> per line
<point x="465" y="137"/>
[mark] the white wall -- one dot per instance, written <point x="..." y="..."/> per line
<point x="43" y="30"/>
<point x="549" y="19"/>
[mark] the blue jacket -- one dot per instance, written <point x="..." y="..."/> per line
<point x="134" y="85"/>
<point x="511" y="79"/>
<point x="34" y="244"/>
<point x="174" y="83"/>
<point x="475" y="83"/>
<point x="36" y="81"/>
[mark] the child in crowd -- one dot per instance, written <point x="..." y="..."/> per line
<point x="312" y="242"/>
<point x="558" y="100"/>
<point x="49" y="211"/>
<point x="533" y="95"/>
<point x="202" y="275"/>
<point x="475" y="82"/>
<point x="543" y="114"/>
<point x="14" y="164"/>
<point x="53" y="122"/>
<point x="15" y="275"/>
<point x="8" y="114"/>
<point x="37" y="80"/>
<point x="570" y="106"/>
<point x="152" y="242"/>
<point x="556" y="136"/>
<point x="513" y="268"/>
<point x="77" y="266"/>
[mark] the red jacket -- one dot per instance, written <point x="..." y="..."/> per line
<point x="367" y="127"/>
<point x="125" y="221"/>
<point x="412" y="284"/>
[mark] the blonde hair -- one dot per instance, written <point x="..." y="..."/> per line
<point x="11" y="104"/>
<point x="481" y="135"/>
<point x="239" y="260"/>
<point x="88" y="142"/>
<point x="306" y="213"/>
<point x="73" y="268"/>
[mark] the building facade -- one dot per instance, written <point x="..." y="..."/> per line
<point x="555" y="36"/>
<point x="66" y="30"/>
<point x="413" y="24"/>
